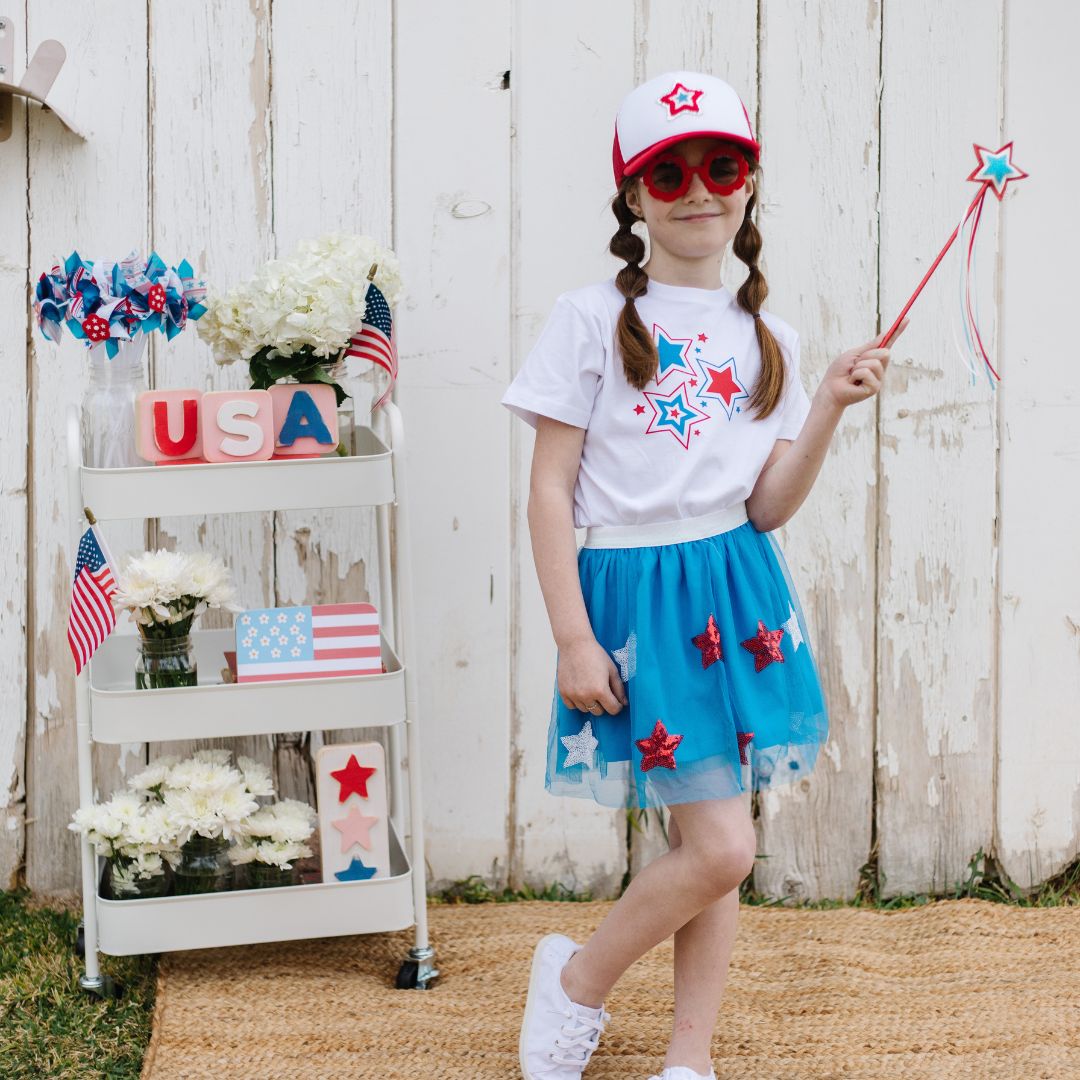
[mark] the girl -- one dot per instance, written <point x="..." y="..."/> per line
<point x="672" y="424"/>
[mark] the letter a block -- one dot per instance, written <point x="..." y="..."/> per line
<point x="237" y="425"/>
<point x="305" y="419"/>
<point x="167" y="426"/>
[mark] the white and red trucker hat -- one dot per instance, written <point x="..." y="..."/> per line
<point x="676" y="105"/>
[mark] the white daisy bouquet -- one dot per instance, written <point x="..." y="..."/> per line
<point x="163" y="591"/>
<point x="295" y="317"/>
<point x="275" y="835"/>
<point x="205" y="796"/>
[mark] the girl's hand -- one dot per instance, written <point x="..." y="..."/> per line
<point x="856" y="375"/>
<point x="589" y="680"/>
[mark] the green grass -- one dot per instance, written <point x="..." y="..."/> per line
<point x="49" y="1027"/>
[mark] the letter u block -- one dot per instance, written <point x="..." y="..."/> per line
<point x="167" y="427"/>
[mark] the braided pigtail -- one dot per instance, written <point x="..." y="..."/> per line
<point x="640" y="359"/>
<point x="769" y="387"/>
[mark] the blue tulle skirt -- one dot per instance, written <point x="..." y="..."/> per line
<point x="710" y="640"/>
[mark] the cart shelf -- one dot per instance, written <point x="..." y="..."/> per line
<point x="362" y="479"/>
<point x="213" y="709"/>
<point x="247" y="916"/>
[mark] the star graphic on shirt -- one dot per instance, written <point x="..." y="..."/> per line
<point x="674" y="353"/>
<point x="639" y="409"/>
<point x="996" y="168"/>
<point x="703" y="337"/>
<point x="673" y="412"/>
<point x="721" y="383"/>
<point x="681" y="99"/>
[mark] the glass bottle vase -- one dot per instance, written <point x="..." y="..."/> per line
<point x="262" y="875"/>
<point x="108" y="405"/>
<point x="125" y="886"/>
<point x="204" y="866"/>
<point x="165" y="662"/>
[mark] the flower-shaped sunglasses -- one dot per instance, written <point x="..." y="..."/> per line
<point x="722" y="171"/>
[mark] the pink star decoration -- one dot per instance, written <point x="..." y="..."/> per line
<point x="355" y="829"/>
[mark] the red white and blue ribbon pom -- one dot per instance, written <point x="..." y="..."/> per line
<point x="108" y="302"/>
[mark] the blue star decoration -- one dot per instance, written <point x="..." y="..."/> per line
<point x="674" y="353"/>
<point x="673" y="412"/>
<point x="996" y="168"/>
<point x="355" y="871"/>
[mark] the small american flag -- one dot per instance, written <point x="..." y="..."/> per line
<point x="375" y="341"/>
<point x="91" y="618"/>
<point x="309" y="642"/>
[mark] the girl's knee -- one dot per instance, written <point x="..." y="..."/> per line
<point x="725" y="862"/>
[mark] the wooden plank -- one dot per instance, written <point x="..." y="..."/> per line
<point x="937" y="623"/>
<point x="818" y="223"/>
<point x="690" y="36"/>
<point x="14" y="314"/>
<point x="560" y="242"/>
<point x="75" y="189"/>
<point x="1038" y="795"/>
<point x="452" y="231"/>
<point x="211" y="205"/>
<point x="331" y="117"/>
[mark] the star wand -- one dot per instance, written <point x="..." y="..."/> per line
<point x="993" y="173"/>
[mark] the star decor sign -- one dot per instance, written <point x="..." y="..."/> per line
<point x="681" y="99"/>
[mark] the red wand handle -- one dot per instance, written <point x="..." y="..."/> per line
<point x="933" y="266"/>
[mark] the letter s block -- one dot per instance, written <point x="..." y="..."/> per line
<point x="237" y="425"/>
<point x="167" y="426"/>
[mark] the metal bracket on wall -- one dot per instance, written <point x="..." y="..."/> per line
<point x="37" y="80"/>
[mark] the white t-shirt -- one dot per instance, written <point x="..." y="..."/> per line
<point x="687" y="444"/>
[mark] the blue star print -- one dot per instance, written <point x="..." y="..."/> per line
<point x="356" y="871"/>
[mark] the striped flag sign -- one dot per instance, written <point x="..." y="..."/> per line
<point x="91" y="617"/>
<point x="309" y="642"/>
<point x="375" y="340"/>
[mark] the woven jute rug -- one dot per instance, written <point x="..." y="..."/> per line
<point x="961" y="988"/>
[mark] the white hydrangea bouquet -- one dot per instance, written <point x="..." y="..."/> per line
<point x="297" y="315"/>
<point x="163" y="593"/>
<point x="136" y="837"/>
<point x="273" y="841"/>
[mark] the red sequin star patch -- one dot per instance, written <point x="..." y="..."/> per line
<point x="765" y="646"/>
<point x="708" y="641"/>
<point x="353" y="777"/>
<point x="658" y="748"/>
<point x="744" y="739"/>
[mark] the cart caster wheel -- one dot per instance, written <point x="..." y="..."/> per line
<point x="80" y="941"/>
<point x="407" y="975"/>
<point x="104" y="987"/>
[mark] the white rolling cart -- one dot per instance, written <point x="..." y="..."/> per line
<point x="108" y="708"/>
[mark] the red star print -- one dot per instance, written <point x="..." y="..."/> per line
<point x="702" y="337"/>
<point x="658" y="748"/>
<point x="95" y="328"/>
<point x="353" y="777"/>
<point x="708" y="641"/>
<point x="693" y="382"/>
<point x="676" y="107"/>
<point x="721" y="382"/>
<point x="639" y="409"/>
<point x="744" y="738"/>
<point x="765" y="645"/>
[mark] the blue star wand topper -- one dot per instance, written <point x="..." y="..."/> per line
<point x="994" y="172"/>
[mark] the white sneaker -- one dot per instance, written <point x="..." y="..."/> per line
<point x="558" y="1036"/>
<point x="683" y="1072"/>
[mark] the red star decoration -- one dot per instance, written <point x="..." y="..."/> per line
<point x="353" y="777"/>
<point x="95" y="328"/>
<point x="744" y="738"/>
<point x="708" y="641"/>
<point x="702" y="337"/>
<point x="639" y="409"/>
<point x="689" y="102"/>
<point x="658" y="748"/>
<point x="723" y="383"/>
<point x="765" y="645"/>
<point x="693" y="382"/>
<point x="155" y="298"/>
<point x="997" y="172"/>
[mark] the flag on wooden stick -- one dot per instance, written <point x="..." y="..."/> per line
<point x="375" y="339"/>
<point x="91" y="618"/>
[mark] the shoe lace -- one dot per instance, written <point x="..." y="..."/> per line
<point x="579" y="1033"/>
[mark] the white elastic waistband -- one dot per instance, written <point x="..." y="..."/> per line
<point x="666" y="532"/>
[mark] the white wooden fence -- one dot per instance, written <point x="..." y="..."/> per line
<point x="936" y="555"/>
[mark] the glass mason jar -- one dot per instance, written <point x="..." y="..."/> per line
<point x="125" y="886"/>
<point x="262" y="875"/>
<point x="204" y="866"/>
<point x="108" y="405"/>
<point x="164" y="662"/>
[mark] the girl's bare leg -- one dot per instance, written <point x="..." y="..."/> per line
<point x="715" y="853"/>
<point x="703" y="949"/>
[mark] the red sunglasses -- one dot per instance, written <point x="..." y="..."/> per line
<point x="722" y="171"/>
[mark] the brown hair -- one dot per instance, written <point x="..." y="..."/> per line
<point x="635" y="343"/>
